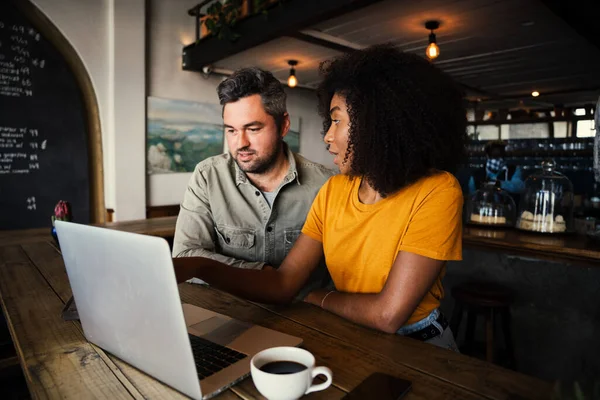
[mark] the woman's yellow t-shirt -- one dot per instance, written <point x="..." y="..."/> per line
<point x="361" y="241"/>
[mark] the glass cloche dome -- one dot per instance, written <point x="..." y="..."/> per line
<point x="491" y="206"/>
<point x="547" y="202"/>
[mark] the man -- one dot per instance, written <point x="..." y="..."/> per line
<point x="510" y="177"/>
<point x="246" y="208"/>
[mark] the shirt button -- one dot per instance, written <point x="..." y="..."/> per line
<point x="269" y="229"/>
<point x="257" y="193"/>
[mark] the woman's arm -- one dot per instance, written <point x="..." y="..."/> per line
<point x="410" y="278"/>
<point x="434" y="234"/>
<point x="472" y="188"/>
<point x="516" y="183"/>
<point x="265" y="286"/>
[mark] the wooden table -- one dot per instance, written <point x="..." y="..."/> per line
<point x="163" y="227"/>
<point x="58" y="362"/>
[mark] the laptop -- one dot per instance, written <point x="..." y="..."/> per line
<point x="128" y="303"/>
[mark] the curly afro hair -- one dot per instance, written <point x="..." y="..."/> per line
<point x="407" y="118"/>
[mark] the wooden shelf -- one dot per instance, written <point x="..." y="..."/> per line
<point x="254" y="30"/>
<point x="566" y="248"/>
<point x="540" y="153"/>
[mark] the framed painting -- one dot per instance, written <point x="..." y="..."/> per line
<point x="181" y="133"/>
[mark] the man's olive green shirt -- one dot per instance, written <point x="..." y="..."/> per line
<point x="224" y="217"/>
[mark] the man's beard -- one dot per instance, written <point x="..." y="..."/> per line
<point x="262" y="165"/>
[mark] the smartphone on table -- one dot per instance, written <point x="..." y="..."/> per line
<point x="380" y="386"/>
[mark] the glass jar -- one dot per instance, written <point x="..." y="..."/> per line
<point x="547" y="202"/>
<point x="491" y="206"/>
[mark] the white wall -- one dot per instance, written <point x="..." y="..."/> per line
<point x="85" y="25"/>
<point x="110" y="38"/>
<point x="128" y="107"/>
<point x="170" y="28"/>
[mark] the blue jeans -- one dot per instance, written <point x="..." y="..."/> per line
<point x="444" y="339"/>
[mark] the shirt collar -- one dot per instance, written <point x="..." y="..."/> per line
<point x="240" y="176"/>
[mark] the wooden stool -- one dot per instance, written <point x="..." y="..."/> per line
<point x="493" y="301"/>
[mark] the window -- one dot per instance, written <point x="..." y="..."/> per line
<point x="585" y="129"/>
<point x="526" y="131"/>
<point x="470" y="115"/>
<point x="483" y="132"/>
<point x="560" y="129"/>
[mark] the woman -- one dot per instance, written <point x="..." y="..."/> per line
<point x="388" y="223"/>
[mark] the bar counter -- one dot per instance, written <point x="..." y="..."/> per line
<point x="562" y="248"/>
<point x="566" y="248"/>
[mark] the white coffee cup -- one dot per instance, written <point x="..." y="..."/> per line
<point x="289" y="386"/>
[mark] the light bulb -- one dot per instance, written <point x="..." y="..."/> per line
<point x="535" y="93"/>
<point x="292" y="81"/>
<point x="432" y="51"/>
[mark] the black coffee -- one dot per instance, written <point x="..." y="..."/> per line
<point x="282" y="367"/>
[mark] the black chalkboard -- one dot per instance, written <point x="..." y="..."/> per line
<point x="43" y="133"/>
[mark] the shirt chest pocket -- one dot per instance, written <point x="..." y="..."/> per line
<point x="236" y="242"/>
<point x="290" y="236"/>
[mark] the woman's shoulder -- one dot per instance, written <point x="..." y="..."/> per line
<point x="442" y="180"/>
<point x="339" y="181"/>
<point x="337" y="187"/>
<point x="439" y="183"/>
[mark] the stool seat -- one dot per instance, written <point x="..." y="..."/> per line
<point x="493" y="301"/>
<point x="483" y="294"/>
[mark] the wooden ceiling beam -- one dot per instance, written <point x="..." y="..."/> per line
<point x="333" y="43"/>
<point x="539" y="102"/>
<point x="320" y="42"/>
<point x="326" y="40"/>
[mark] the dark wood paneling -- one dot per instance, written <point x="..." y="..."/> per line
<point x="162" y="211"/>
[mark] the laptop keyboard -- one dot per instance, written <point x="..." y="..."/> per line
<point x="211" y="357"/>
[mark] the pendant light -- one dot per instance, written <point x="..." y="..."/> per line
<point x="292" y="80"/>
<point x="433" y="50"/>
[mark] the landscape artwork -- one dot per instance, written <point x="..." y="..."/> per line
<point x="181" y="133"/>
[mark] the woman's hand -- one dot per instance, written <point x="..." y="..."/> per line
<point x="313" y="297"/>
<point x="317" y="296"/>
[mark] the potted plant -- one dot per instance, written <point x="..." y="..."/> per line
<point x="221" y="17"/>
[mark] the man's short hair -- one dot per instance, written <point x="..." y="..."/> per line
<point x="495" y="149"/>
<point x="249" y="81"/>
